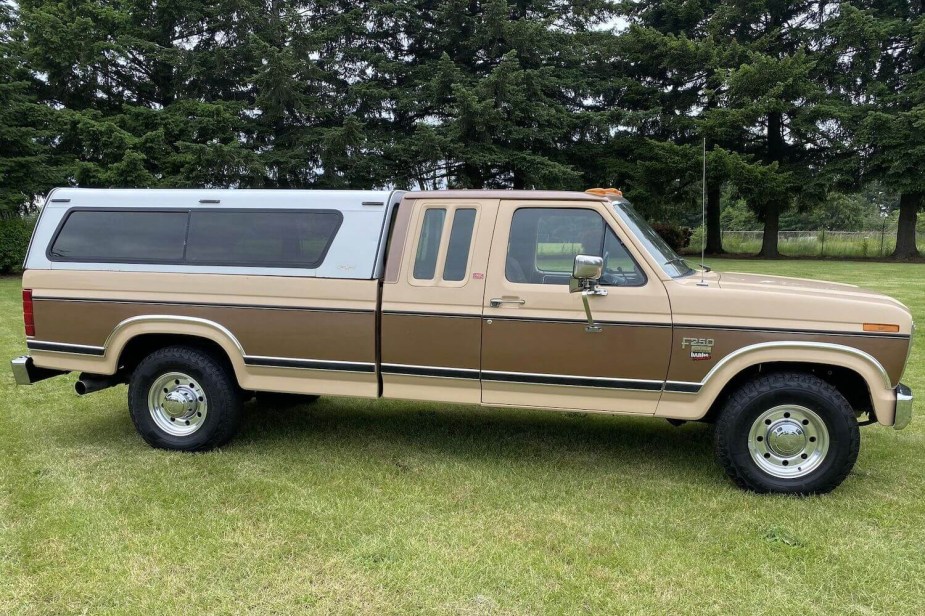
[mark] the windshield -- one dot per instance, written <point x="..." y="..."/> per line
<point x="673" y="265"/>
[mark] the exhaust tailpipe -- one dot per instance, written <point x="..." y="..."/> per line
<point x="89" y="383"/>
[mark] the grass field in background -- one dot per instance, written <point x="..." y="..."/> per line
<point x="840" y="244"/>
<point x="356" y="506"/>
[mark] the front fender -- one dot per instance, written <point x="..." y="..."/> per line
<point x="695" y="405"/>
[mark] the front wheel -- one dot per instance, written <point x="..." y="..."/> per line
<point x="184" y="399"/>
<point x="790" y="433"/>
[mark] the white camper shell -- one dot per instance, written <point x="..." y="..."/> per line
<point x="356" y="250"/>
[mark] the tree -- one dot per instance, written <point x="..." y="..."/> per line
<point x="499" y="88"/>
<point x="27" y="168"/>
<point x="134" y="102"/>
<point x="749" y="83"/>
<point x="882" y="56"/>
<point x="669" y="53"/>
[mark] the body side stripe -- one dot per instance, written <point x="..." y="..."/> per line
<point x="204" y="304"/>
<point x="435" y="371"/>
<point x="309" y="364"/>
<point x="800" y="332"/>
<point x="569" y="380"/>
<point x="63" y="347"/>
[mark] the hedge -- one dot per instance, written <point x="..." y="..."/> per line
<point x="14" y="240"/>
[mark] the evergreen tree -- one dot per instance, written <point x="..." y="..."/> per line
<point x="475" y="94"/>
<point x="882" y="57"/>
<point x="126" y="82"/>
<point x="746" y="79"/>
<point x="27" y="167"/>
<point x="668" y="54"/>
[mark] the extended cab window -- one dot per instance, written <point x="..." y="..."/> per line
<point x="450" y="228"/>
<point x="543" y="244"/>
<point x="261" y="238"/>
<point x="457" y="253"/>
<point x="107" y="236"/>
<point x="425" y="261"/>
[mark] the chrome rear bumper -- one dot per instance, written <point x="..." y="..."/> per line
<point x="903" y="407"/>
<point x="26" y="373"/>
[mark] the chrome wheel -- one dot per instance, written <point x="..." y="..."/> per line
<point x="177" y="404"/>
<point x="788" y="441"/>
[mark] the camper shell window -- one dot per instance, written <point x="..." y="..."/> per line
<point x="229" y="237"/>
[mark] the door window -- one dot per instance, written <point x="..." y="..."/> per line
<point x="543" y="244"/>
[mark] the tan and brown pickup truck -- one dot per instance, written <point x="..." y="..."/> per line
<point x="546" y="300"/>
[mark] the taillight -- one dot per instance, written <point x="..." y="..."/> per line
<point x="27" y="316"/>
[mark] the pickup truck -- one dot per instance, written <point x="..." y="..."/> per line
<point x="197" y="299"/>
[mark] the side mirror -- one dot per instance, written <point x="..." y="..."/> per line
<point x="587" y="268"/>
<point x="586" y="272"/>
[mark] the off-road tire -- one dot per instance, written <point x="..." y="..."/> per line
<point x="218" y="383"/>
<point x="751" y="400"/>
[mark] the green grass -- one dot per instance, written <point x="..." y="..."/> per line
<point x="354" y="506"/>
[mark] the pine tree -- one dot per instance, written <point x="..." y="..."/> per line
<point x="496" y="90"/>
<point x="747" y="76"/>
<point x="134" y="101"/>
<point x="27" y="167"/>
<point x="882" y="58"/>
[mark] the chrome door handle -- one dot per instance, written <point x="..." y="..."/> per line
<point x="497" y="301"/>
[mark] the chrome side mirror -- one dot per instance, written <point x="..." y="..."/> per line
<point x="586" y="271"/>
<point x="587" y="268"/>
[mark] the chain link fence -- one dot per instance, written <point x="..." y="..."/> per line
<point x="822" y="243"/>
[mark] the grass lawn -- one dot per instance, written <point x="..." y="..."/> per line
<point x="353" y="506"/>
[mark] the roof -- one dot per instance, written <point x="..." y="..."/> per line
<point x="344" y="200"/>
<point x="533" y="195"/>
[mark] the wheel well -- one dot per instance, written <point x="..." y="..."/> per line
<point x="849" y="383"/>
<point x="143" y="345"/>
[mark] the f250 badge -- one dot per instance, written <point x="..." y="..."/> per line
<point x="701" y="348"/>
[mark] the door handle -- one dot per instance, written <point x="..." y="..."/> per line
<point x="497" y="301"/>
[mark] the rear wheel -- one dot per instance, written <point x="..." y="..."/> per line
<point x="790" y="433"/>
<point x="184" y="399"/>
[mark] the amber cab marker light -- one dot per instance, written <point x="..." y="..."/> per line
<point x="27" y="317"/>
<point x="605" y="192"/>
<point x="881" y="327"/>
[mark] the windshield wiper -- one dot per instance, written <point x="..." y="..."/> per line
<point x="677" y="260"/>
<point x="680" y="262"/>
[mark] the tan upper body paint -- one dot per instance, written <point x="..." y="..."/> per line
<point x="666" y="347"/>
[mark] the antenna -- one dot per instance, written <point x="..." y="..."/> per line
<point x="703" y="217"/>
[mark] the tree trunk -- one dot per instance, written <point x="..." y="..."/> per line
<point x="771" y="228"/>
<point x="518" y="182"/>
<point x="909" y="205"/>
<point x="471" y="176"/>
<point x="774" y="206"/>
<point x="714" y="227"/>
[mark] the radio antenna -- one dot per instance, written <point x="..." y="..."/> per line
<point x="703" y="217"/>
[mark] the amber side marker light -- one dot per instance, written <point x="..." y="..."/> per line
<point x="881" y="327"/>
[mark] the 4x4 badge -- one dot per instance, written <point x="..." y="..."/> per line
<point x="701" y="348"/>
